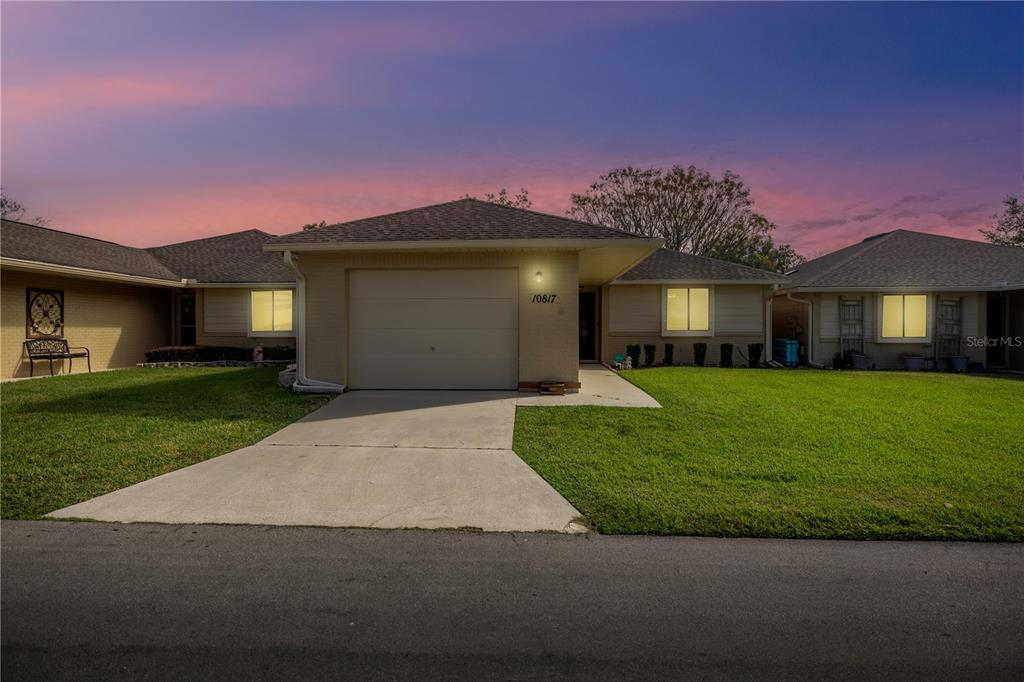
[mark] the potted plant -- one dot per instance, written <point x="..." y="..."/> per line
<point x="649" y="349"/>
<point x="669" y="352"/>
<point x="726" y="358"/>
<point x="700" y="351"/>
<point x="912" y="362"/>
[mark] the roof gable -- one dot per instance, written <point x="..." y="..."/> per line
<point x="235" y="257"/>
<point x="461" y="220"/>
<point x="666" y="265"/>
<point x="904" y="258"/>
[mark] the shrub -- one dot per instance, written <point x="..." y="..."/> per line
<point x="649" y="349"/>
<point x="669" y="352"/>
<point x="215" y="353"/>
<point x="754" y="351"/>
<point x="633" y="351"/>
<point x="726" y="360"/>
<point x="700" y="351"/>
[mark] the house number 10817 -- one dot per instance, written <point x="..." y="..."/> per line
<point x="544" y="298"/>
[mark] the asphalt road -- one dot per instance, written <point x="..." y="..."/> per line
<point x="107" y="601"/>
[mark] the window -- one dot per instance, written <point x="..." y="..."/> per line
<point x="687" y="310"/>
<point x="904" y="317"/>
<point x="271" y="311"/>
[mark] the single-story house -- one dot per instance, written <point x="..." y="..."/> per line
<point x="466" y="294"/>
<point x="907" y="293"/>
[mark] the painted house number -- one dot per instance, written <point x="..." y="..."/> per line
<point x="544" y="298"/>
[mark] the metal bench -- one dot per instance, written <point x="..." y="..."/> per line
<point x="54" y="349"/>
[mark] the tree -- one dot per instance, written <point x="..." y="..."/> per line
<point x="1009" y="227"/>
<point x="12" y="209"/>
<point x="688" y="208"/>
<point x="314" y="226"/>
<point x="521" y="200"/>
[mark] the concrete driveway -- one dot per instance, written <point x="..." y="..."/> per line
<point x="383" y="459"/>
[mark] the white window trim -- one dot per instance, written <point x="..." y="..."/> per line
<point x="929" y="318"/>
<point x="267" y="335"/>
<point x="700" y="333"/>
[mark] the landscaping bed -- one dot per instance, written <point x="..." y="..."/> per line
<point x="808" y="454"/>
<point x="70" y="438"/>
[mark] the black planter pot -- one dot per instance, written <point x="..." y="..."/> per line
<point x="700" y="351"/>
<point x="754" y="351"/>
<point x="726" y="360"/>
<point x="669" y="352"/>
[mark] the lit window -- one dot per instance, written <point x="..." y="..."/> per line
<point x="272" y="311"/>
<point x="687" y="310"/>
<point x="904" y="317"/>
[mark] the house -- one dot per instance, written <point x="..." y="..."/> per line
<point x="466" y="294"/>
<point x="908" y="293"/>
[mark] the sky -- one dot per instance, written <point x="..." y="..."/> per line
<point x="149" y="123"/>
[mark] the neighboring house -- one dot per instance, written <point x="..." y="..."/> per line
<point x="908" y="293"/>
<point x="120" y="301"/>
<point x="114" y="299"/>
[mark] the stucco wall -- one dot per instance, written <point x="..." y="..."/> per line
<point x="117" y="322"/>
<point x="883" y="354"/>
<point x="631" y="314"/>
<point x="222" y="319"/>
<point x="548" y="333"/>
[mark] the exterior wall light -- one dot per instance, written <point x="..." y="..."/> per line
<point x="539" y="276"/>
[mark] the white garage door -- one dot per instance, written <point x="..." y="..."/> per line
<point x="432" y="329"/>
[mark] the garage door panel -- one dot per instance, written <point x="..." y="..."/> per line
<point x="420" y="284"/>
<point x="410" y="373"/>
<point x="432" y="314"/>
<point x="432" y="329"/>
<point x="436" y="343"/>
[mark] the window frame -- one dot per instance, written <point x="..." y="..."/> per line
<point x="250" y="332"/>
<point x="929" y="318"/>
<point x="698" y="333"/>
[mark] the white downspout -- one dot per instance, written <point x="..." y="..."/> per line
<point x="810" y="327"/>
<point x="768" y="315"/>
<point x="304" y="384"/>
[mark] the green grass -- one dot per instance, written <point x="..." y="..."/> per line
<point x="808" y="454"/>
<point x="67" y="439"/>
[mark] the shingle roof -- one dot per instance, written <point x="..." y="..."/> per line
<point x="44" y="245"/>
<point x="465" y="219"/>
<point x="236" y="257"/>
<point x="903" y="258"/>
<point x="665" y="264"/>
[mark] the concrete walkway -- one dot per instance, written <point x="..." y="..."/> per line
<point x="380" y="459"/>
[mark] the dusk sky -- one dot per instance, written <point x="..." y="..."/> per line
<point x="153" y="123"/>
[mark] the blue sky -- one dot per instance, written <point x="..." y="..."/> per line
<point x="150" y="123"/>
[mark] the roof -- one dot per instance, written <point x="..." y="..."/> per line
<point x="665" y="264"/>
<point x="462" y="220"/>
<point x="903" y="258"/>
<point x="236" y="257"/>
<point x="22" y="241"/>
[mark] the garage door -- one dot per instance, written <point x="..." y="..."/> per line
<point x="432" y="329"/>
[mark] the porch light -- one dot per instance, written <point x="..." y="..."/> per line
<point x="539" y="276"/>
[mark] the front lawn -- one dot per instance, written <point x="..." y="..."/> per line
<point x="777" y="453"/>
<point x="68" y="439"/>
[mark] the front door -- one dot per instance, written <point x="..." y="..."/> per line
<point x="588" y="326"/>
<point x="995" y="330"/>
<point x="187" y="319"/>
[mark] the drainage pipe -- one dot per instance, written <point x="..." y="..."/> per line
<point x="304" y="384"/>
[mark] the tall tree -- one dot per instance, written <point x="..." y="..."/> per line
<point x="521" y="200"/>
<point x="1009" y="227"/>
<point x="12" y="209"/>
<point x="688" y="208"/>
